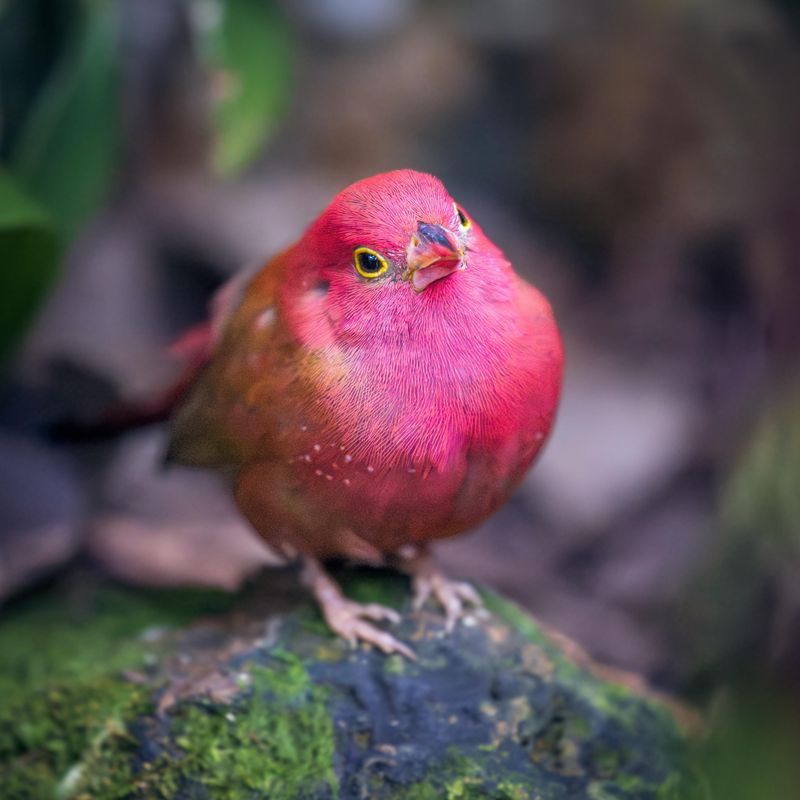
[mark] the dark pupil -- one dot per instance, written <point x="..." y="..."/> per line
<point x="461" y="217"/>
<point x="370" y="262"/>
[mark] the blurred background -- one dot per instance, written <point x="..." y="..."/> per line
<point x="638" y="161"/>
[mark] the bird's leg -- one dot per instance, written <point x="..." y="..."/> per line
<point x="429" y="581"/>
<point x="348" y="618"/>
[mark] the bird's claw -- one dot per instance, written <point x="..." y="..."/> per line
<point x="453" y="596"/>
<point x="348" y="619"/>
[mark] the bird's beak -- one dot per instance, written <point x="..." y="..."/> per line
<point x="433" y="253"/>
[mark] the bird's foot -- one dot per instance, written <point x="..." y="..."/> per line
<point x="348" y="619"/>
<point x="453" y="596"/>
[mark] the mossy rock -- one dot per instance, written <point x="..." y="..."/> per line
<point x="108" y="692"/>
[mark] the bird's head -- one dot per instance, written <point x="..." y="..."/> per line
<point x="400" y="228"/>
<point x="387" y="254"/>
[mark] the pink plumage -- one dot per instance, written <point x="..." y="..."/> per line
<point x="385" y="381"/>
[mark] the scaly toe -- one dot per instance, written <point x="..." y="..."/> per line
<point x="378" y="613"/>
<point x="467" y="593"/>
<point x="453" y="596"/>
<point x="347" y="619"/>
<point x="423" y="587"/>
<point x="382" y="640"/>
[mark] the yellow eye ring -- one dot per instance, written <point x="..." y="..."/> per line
<point x="463" y="220"/>
<point x="369" y="264"/>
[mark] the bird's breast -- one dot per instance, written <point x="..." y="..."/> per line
<point x="426" y="402"/>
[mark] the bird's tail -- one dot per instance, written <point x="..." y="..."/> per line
<point x="193" y="348"/>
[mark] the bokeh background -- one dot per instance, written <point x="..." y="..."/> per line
<point x="638" y="161"/>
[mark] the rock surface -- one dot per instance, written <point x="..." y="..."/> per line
<point x="108" y="692"/>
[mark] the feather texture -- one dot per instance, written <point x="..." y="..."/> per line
<point x="361" y="415"/>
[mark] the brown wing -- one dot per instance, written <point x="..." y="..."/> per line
<point x="214" y="425"/>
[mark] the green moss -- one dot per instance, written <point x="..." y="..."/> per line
<point x="65" y="706"/>
<point x="612" y="701"/>
<point x="419" y="791"/>
<point x="375" y="586"/>
<point x="513" y="791"/>
<point x="674" y="787"/>
<point x="461" y="778"/>
<point x="310" y="619"/>
<point x="597" y="712"/>
<point x="475" y="786"/>
<point x="49" y="733"/>
<point x="47" y="638"/>
<point x="466" y="788"/>
<point x="62" y="696"/>
<point x="265" y="744"/>
<point x="395" y="665"/>
<point x="106" y="768"/>
<point x="72" y="727"/>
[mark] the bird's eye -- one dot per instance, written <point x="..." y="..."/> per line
<point x="369" y="264"/>
<point x="463" y="220"/>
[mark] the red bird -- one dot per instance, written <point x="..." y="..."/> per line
<point x="385" y="381"/>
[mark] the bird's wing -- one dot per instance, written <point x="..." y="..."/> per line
<point x="214" y="425"/>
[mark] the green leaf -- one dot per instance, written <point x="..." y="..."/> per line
<point x="248" y="46"/>
<point x="68" y="149"/>
<point x="28" y="259"/>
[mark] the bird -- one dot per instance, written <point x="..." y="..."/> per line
<point x="384" y="382"/>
